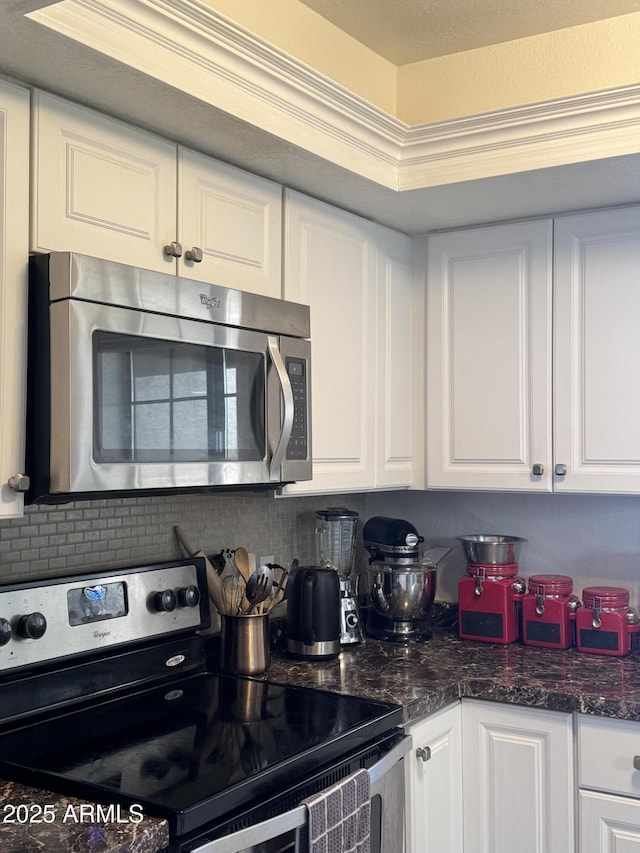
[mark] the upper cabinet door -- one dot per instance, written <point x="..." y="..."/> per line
<point x="101" y="188"/>
<point x="400" y="382"/>
<point x="330" y="265"/>
<point x="230" y="226"/>
<point x="488" y="357"/>
<point x="597" y="351"/>
<point x="14" y="228"/>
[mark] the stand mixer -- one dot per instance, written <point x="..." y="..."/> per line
<point x="401" y="578"/>
<point x="336" y="530"/>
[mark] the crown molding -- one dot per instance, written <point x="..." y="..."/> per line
<point x="191" y="47"/>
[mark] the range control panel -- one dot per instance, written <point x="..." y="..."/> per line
<point x="43" y="621"/>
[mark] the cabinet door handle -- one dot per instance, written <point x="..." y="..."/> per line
<point x="538" y="469"/>
<point x="636" y="762"/>
<point x="560" y="470"/>
<point x="19" y="483"/>
<point x="423" y="753"/>
<point x="173" y="250"/>
<point x="194" y="254"/>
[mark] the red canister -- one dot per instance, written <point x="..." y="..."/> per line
<point x="488" y="599"/>
<point x="605" y="624"/>
<point x="548" y="612"/>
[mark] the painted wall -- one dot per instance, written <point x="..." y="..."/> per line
<point x="309" y="37"/>
<point x="552" y="65"/>
<point x="586" y="58"/>
<point x="592" y="538"/>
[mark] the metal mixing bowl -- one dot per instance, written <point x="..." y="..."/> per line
<point x="491" y="549"/>
<point x="401" y="591"/>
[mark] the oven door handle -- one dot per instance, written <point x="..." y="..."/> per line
<point x="296" y="818"/>
<point x="287" y="396"/>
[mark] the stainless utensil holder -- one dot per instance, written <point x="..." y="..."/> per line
<point x="245" y="648"/>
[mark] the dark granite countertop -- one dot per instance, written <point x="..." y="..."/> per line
<point x="26" y="825"/>
<point x="424" y="677"/>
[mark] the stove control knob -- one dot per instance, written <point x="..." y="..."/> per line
<point x="165" y="601"/>
<point x="189" y="596"/>
<point x="32" y="626"/>
<point x="5" y="631"/>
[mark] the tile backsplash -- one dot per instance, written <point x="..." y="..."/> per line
<point x="91" y="535"/>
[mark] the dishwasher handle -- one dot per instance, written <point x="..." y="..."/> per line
<point x="295" y="819"/>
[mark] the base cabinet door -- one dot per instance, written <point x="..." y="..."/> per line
<point x="609" y="796"/>
<point x="518" y="780"/>
<point x="433" y="778"/>
<point x="608" y="824"/>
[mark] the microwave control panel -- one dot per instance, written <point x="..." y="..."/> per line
<point x="297" y="447"/>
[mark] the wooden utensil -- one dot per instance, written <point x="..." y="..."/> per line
<point x="241" y="557"/>
<point x="214" y="584"/>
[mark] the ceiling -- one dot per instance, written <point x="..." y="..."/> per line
<point x="405" y="31"/>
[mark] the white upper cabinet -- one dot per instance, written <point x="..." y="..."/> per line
<point x="597" y="351"/>
<point x="330" y="265"/>
<point x="365" y="332"/>
<point x="398" y="345"/>
<point x="106" y="189"/>
<point x="235" y="220"/>
<point x="488" y="355"/>
<point x="491" y="420"/>
<point x="100" y="187"/>
<point x="14" y="230"/>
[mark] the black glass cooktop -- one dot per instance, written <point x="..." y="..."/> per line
<point x="196" y="749"/>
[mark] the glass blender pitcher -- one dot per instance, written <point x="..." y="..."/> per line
<point x="336" y="529"/>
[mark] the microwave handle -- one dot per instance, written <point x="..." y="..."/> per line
<point x="287" y="421"/>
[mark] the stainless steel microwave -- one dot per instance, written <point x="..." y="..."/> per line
<point x="144" y="381"/>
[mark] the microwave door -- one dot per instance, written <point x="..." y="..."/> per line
<point x="144" y="401"/>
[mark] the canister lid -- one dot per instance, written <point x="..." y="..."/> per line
<point x="550" y="585"/>
<point x="480" y="570"/>
<point x="605" y="596"/>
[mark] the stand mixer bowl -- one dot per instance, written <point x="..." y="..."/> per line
<point x="402" y="592"/>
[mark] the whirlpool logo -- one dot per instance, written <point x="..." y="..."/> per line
<point x="101" y="635"/>
<point x="210" y="302"/>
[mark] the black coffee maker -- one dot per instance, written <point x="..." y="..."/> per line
<point x="313" y="613"/>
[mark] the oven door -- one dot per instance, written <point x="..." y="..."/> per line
<point x="284" y="833"/>
<point x="147" y="401"/>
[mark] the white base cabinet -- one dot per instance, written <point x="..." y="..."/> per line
<point x="609" y="799"/>
<point x="433" y="778"/>
<point x="608" y="824"/>
<point x="518" y="779"/>
<point x="14" y="230"/>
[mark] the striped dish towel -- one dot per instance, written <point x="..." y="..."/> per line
<point x="340" y="817"/>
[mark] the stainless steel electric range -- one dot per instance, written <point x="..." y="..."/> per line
<point x="105" y="694"/>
